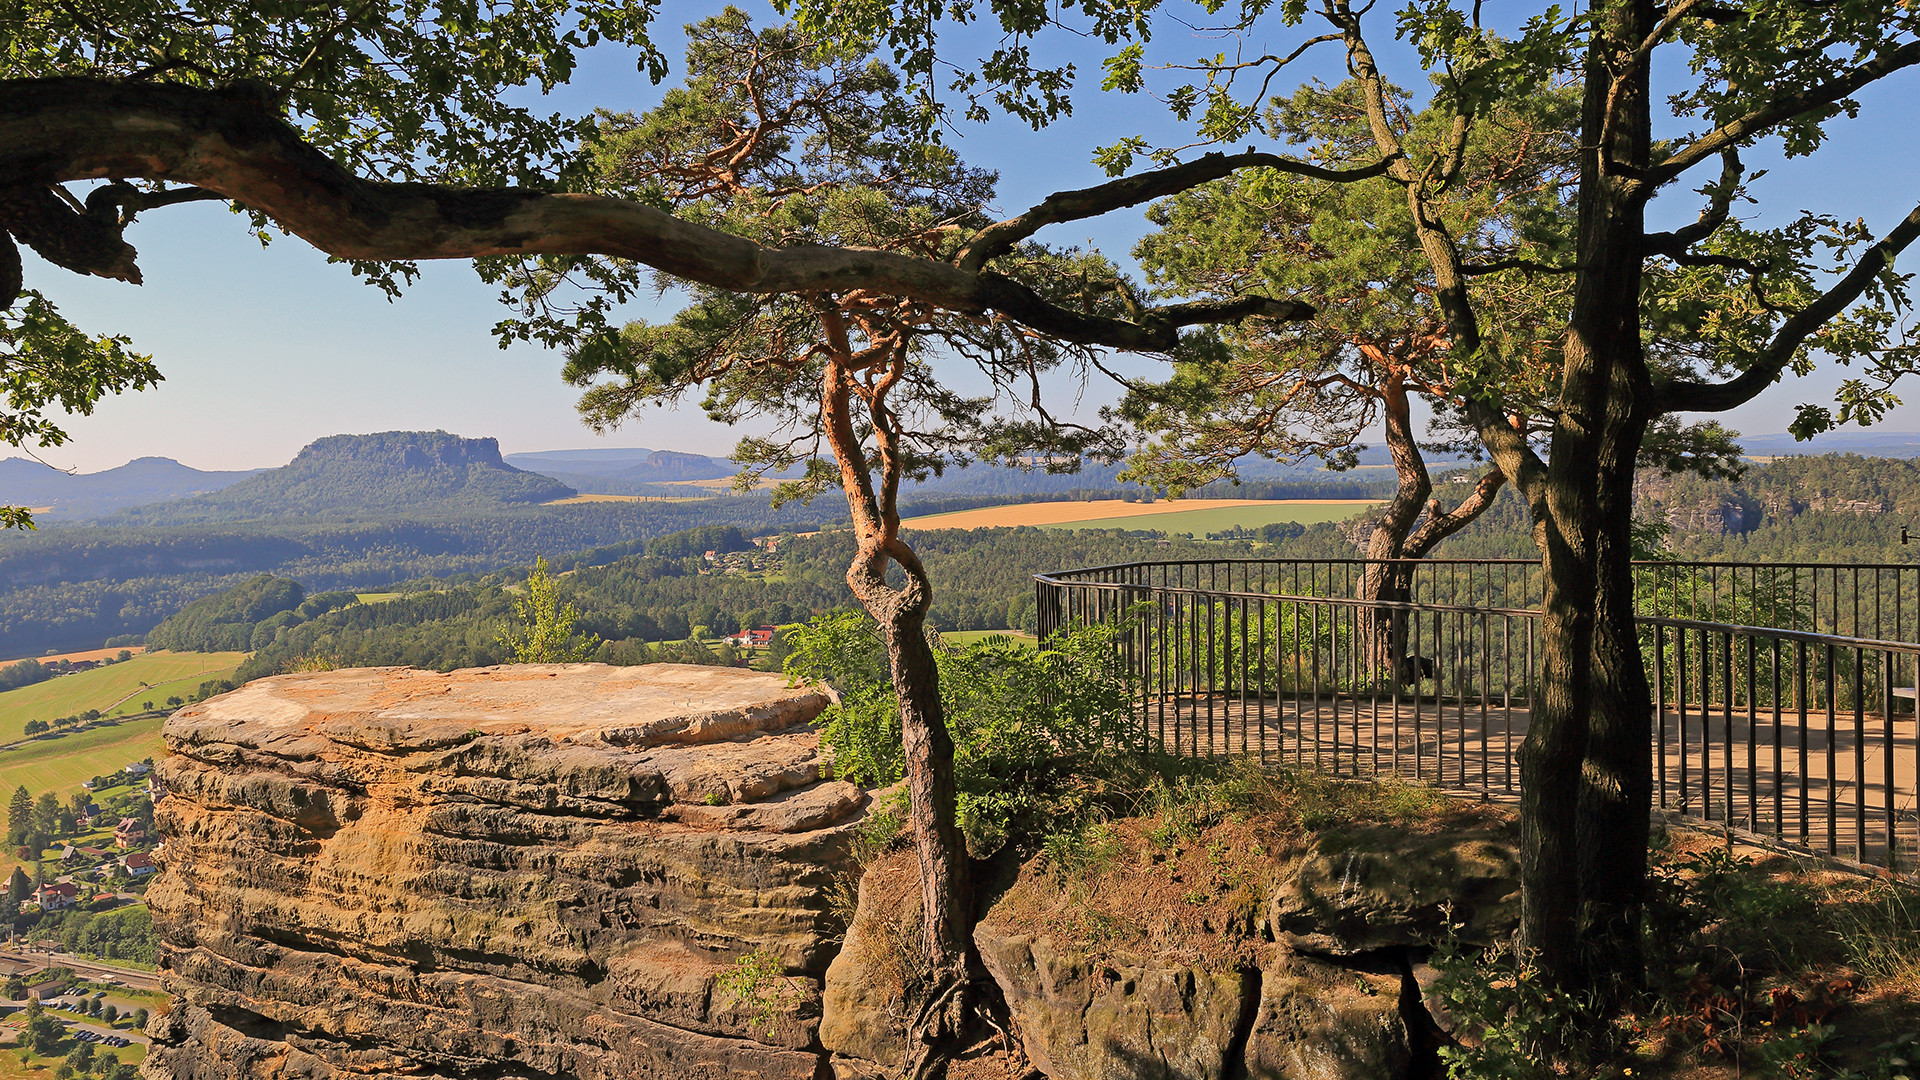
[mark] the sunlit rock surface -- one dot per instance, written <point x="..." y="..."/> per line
<point x="534" y="871"/>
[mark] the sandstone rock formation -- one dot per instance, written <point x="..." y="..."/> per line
<point x="535" y="871"/>
<point x="1320" y="987"/>
<point x="554" y="872"/>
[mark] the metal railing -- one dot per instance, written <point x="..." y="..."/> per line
<point x="1784" y="693"/>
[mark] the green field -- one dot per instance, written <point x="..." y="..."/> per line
<point x="961" y="638"/>
<point x="1221" y="518"/>
<point x="58" y="763"/>
<point x="115" y="690"/>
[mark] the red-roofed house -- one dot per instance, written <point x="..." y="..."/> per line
<point x="138" y="864"/>
<point x="128" y="833"/>
<point x="55" y="895"/>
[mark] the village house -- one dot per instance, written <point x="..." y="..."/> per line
<point x="757" y="638"/>
<point x="138" y="864"/>
<point x="55" y="895"/>
<point x="128" y="833"/>
<point x="47" y="990"/>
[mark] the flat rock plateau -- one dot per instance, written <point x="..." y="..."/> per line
<point x="534" y="871"/>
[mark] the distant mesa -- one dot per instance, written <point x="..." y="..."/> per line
<point x="625" y="471"/>
<point x="412" y="472"/>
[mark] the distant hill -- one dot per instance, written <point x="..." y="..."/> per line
<point x="73" y="496"/>
<point x="639" y="471"/>
<point x="393" y="472"/>
<point x="635" y="471"/>
<point x="1867" y="443"/>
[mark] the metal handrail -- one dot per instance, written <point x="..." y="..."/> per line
<point x="1286" y="659"/>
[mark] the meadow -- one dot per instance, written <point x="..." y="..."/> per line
<point x="963" y="638"/>
<point x="1197" y="516"/>
<point x="116" y="690"/>
<point x="59" y="763"/>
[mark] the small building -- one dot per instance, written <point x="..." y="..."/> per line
<point x="128" y="833"/>
<point x="48" y="990"/>
<point x="155" y="790"/>
<point x="138" y="864"/>
<point x="757" y="638"/>
<point x="138" y="768"/>
<point x="55" y="895"/>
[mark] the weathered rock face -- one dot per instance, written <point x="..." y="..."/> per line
<point x="535" y="871"/>
<point x="542" y="872"/>
<point x="1322" y="987"/>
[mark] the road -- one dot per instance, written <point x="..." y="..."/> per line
<point x="133" y="977"/>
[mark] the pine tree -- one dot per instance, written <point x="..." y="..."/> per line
<point x="18" y="887"/>
<point x="19" y="816"/>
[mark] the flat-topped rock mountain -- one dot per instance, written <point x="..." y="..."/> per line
<point x="530" y="871"/>
<point x="391" y="472"/>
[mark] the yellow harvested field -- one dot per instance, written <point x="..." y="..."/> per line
<point x="578" y="499"/>
<point x="86" y="654"/>
<point x="1062" y="513"/>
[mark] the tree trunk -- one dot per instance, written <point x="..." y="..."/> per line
<point x="939" y="997"/>
<point x="1584" y="764"/>
<point x="931" y="787"/>
<point x="1395" y="543"/>
<point x="1383" y="579"/>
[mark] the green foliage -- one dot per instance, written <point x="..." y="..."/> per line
<point x="694" y="543"/>
<point x="1290" y="391"/>
<point x="1029" y="726"/>
<point x="1517" y="1024"/>
<point x="47" y="364"/>
<point x="23" y="673"/>
<point x="759" y="981"/>
<point x="1033" y="729"/>
<point x="227" y="621"/>
<point x="542" y="631"/>
<point x="843" y="650"/>
<point x="125" y="933"/>
<point x="787" y="138"/>
<point x="396" y="90"/>
<point x="112" y="579"/>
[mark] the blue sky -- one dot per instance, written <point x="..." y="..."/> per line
<point x="266" y="350"/>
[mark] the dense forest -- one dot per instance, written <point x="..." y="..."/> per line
<point x="636" y="567"/>
<point x="66" y="587"/>
<point x="982" y="581"/>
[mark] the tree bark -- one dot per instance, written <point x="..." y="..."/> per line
<point x="1585" y="791"/>
<point x="1383" y="579"/>
<point x="233" y="142"/>
<point x="1395" y="542"/>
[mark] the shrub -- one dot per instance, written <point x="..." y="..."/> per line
<point x="1034" y="730"/>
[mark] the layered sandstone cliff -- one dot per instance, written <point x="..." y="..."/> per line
<point x="576" y="872"/>
<point x="529" y="872"/>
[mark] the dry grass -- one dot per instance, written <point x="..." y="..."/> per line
<point x="1185" y="875"/>
<point x="1060" y="513"/>
<point x="84" y="654"/>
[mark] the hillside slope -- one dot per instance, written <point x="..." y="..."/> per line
<point x="74" y="496"/>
